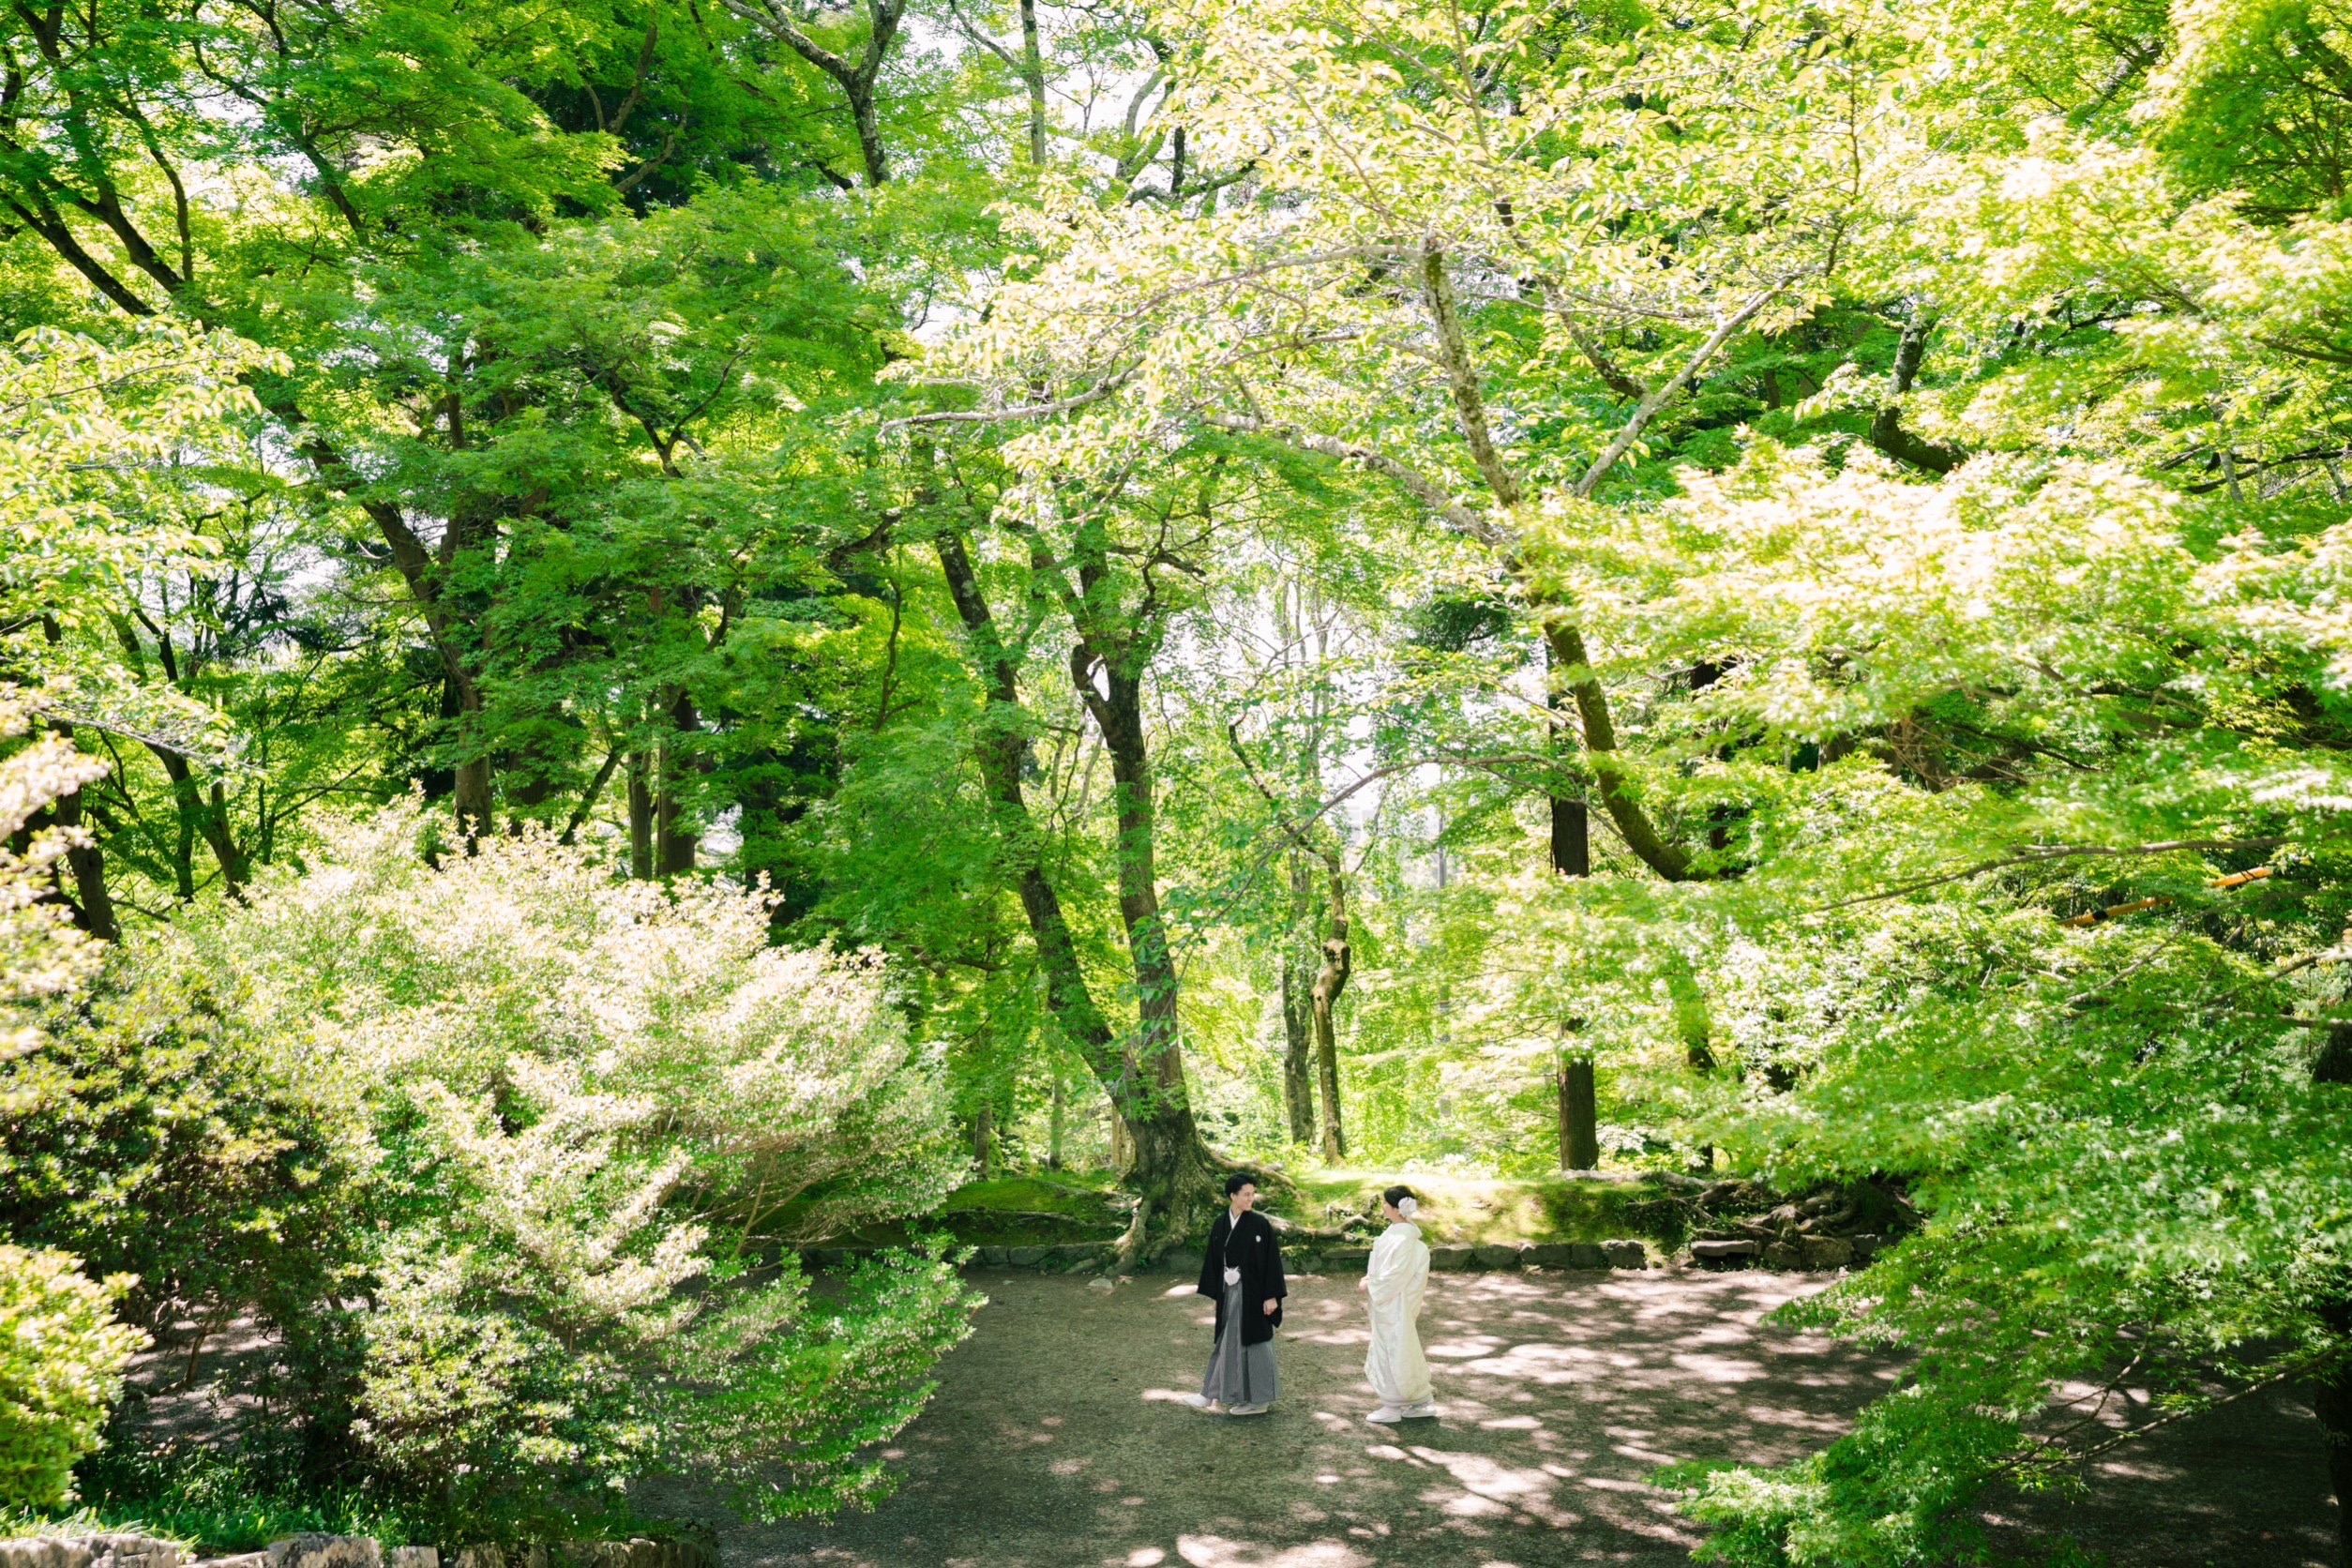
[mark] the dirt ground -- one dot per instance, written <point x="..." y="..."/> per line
<point x="1057" y="1439"/>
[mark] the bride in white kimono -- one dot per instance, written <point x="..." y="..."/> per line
<point x="1393" y="1279"/>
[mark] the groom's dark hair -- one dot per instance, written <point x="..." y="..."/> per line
<point x="1239" y="1180"/>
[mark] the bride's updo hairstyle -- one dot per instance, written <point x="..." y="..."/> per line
<point x="1401" y="1198"/>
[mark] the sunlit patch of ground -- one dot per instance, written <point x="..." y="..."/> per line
<point x="1058" y="1437"/>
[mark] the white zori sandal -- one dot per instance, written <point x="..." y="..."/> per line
<point x="1387" y="1415"/>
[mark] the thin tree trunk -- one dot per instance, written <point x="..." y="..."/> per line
<point x="1298" y="1048"/>
<point x="869" y="143"/>
<point x="858" y="80"/>
<point x="1298" y="1013"/>
<point x="1572" y="838"/>
<point x="1885" y="425"/>
<point x="1053" y="1128"/>
<point x="1641" y="834"/>
<point x="1580" y="1115"/>
<point x="1338" y="963"/>
<point x="199" y="817"/>
<point x="1338" y="954"/>
<point x="420" y="568"/>
<point x="1571" y="664"/>
<point x="984" y="1141"/>
<point x="588" y="796"/>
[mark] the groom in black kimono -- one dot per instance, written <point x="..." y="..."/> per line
<point x="1242" y="1272"/>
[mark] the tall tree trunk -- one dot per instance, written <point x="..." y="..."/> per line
<point x="1172" y="1175"/>
<point x="674" y="843"/>
<point x="1117" y="707"/>
<point x="1580" y="1115"/>
<point x="200" y="817"/>
<point x="1572" y="838"/>
<point x="1571" y="828"/>
<point x="641" y="816"/>
<point x="1122" y="1143"/>
<point x="475" y="801"/>
<point x="423" y="571"/>
<point x="1572" y="856"/>
<point x="93" y="906"/>
<point x="984" y="1140"/>
<point x="1339" y="958"/>
<point x="1033" y="75"/>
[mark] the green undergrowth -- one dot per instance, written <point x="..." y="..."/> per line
<point x="1031" y="1209"/>
<point x="1481" y="1213"/>
<point x="213" y="1506"/>
<point x="1041" y="1210"/>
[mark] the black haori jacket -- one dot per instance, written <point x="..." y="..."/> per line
<point x="1258" y="1254"/>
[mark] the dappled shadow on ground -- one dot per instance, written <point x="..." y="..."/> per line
<point x="1058" y="1437"/>
<point x="2242" y="1486"/>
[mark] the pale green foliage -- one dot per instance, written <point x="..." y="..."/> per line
<point x="2091" y="596"/>
<point x="41" y="956"/>
<point x="102" y="455"/>
<point x="573" y="1079"/>
<point x="776" y="1077"/>
<point x="62" y="1357"/>
<point x="1855" y="597"/>
<point x="1372" y="147"/>
<point x="62" y="1354"/>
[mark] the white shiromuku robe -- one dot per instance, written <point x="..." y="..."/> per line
<point x="1395" y="1277"/>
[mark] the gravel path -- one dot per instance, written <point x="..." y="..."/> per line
<point x="1057" y="1440"/>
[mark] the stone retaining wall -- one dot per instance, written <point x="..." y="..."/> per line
<point x="1072" y="1258"/>
<point x="1803" y="1253"/>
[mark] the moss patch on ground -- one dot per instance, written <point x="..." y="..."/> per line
<point x="1034" y="1209"/>
<point x="1042" y="1209"/>
<point x="1479" y="1213"/>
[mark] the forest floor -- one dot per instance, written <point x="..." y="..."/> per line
<point x="1058" y="1439"/>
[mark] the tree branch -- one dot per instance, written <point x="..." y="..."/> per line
<point x="1093" y="393"/>
<point x="2056" y="852"/>
<point x="1462" y="518"/>
<point x="1661" y="395"/>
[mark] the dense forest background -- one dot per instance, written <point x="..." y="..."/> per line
<point x="1465" y="587"/>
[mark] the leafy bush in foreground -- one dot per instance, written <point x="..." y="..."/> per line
<point x="499" y="1145"/>
<point x="62" y="1357"/>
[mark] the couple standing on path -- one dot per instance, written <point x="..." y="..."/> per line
<point x="1242" y="1272"/>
